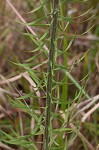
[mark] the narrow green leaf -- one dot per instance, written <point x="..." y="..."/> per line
<point x="39" y="7"/>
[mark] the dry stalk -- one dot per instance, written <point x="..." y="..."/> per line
<point x="90" y="112"/>
<point x="6" y="147"/>
<point x="87" y="104"/>
<point x="10" y="80"/>
<point x="23" y="20"/>
<point x="81" y="136"/>
<point x="78" y="132"/>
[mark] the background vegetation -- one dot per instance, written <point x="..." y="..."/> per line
<point x="49" y="75"/>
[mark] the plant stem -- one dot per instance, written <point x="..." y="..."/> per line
<point x="50" y="74"/>
<point x="63" y="12"/>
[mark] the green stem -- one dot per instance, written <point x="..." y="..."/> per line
<point x="65" y="80"/>
<point x="65" y="44"/>
<point x="50" y="74"/>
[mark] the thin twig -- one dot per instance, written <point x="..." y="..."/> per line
<point x="6" y="147"/>
<point x="93" y="100"/>
<point x="90" y="112"/>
